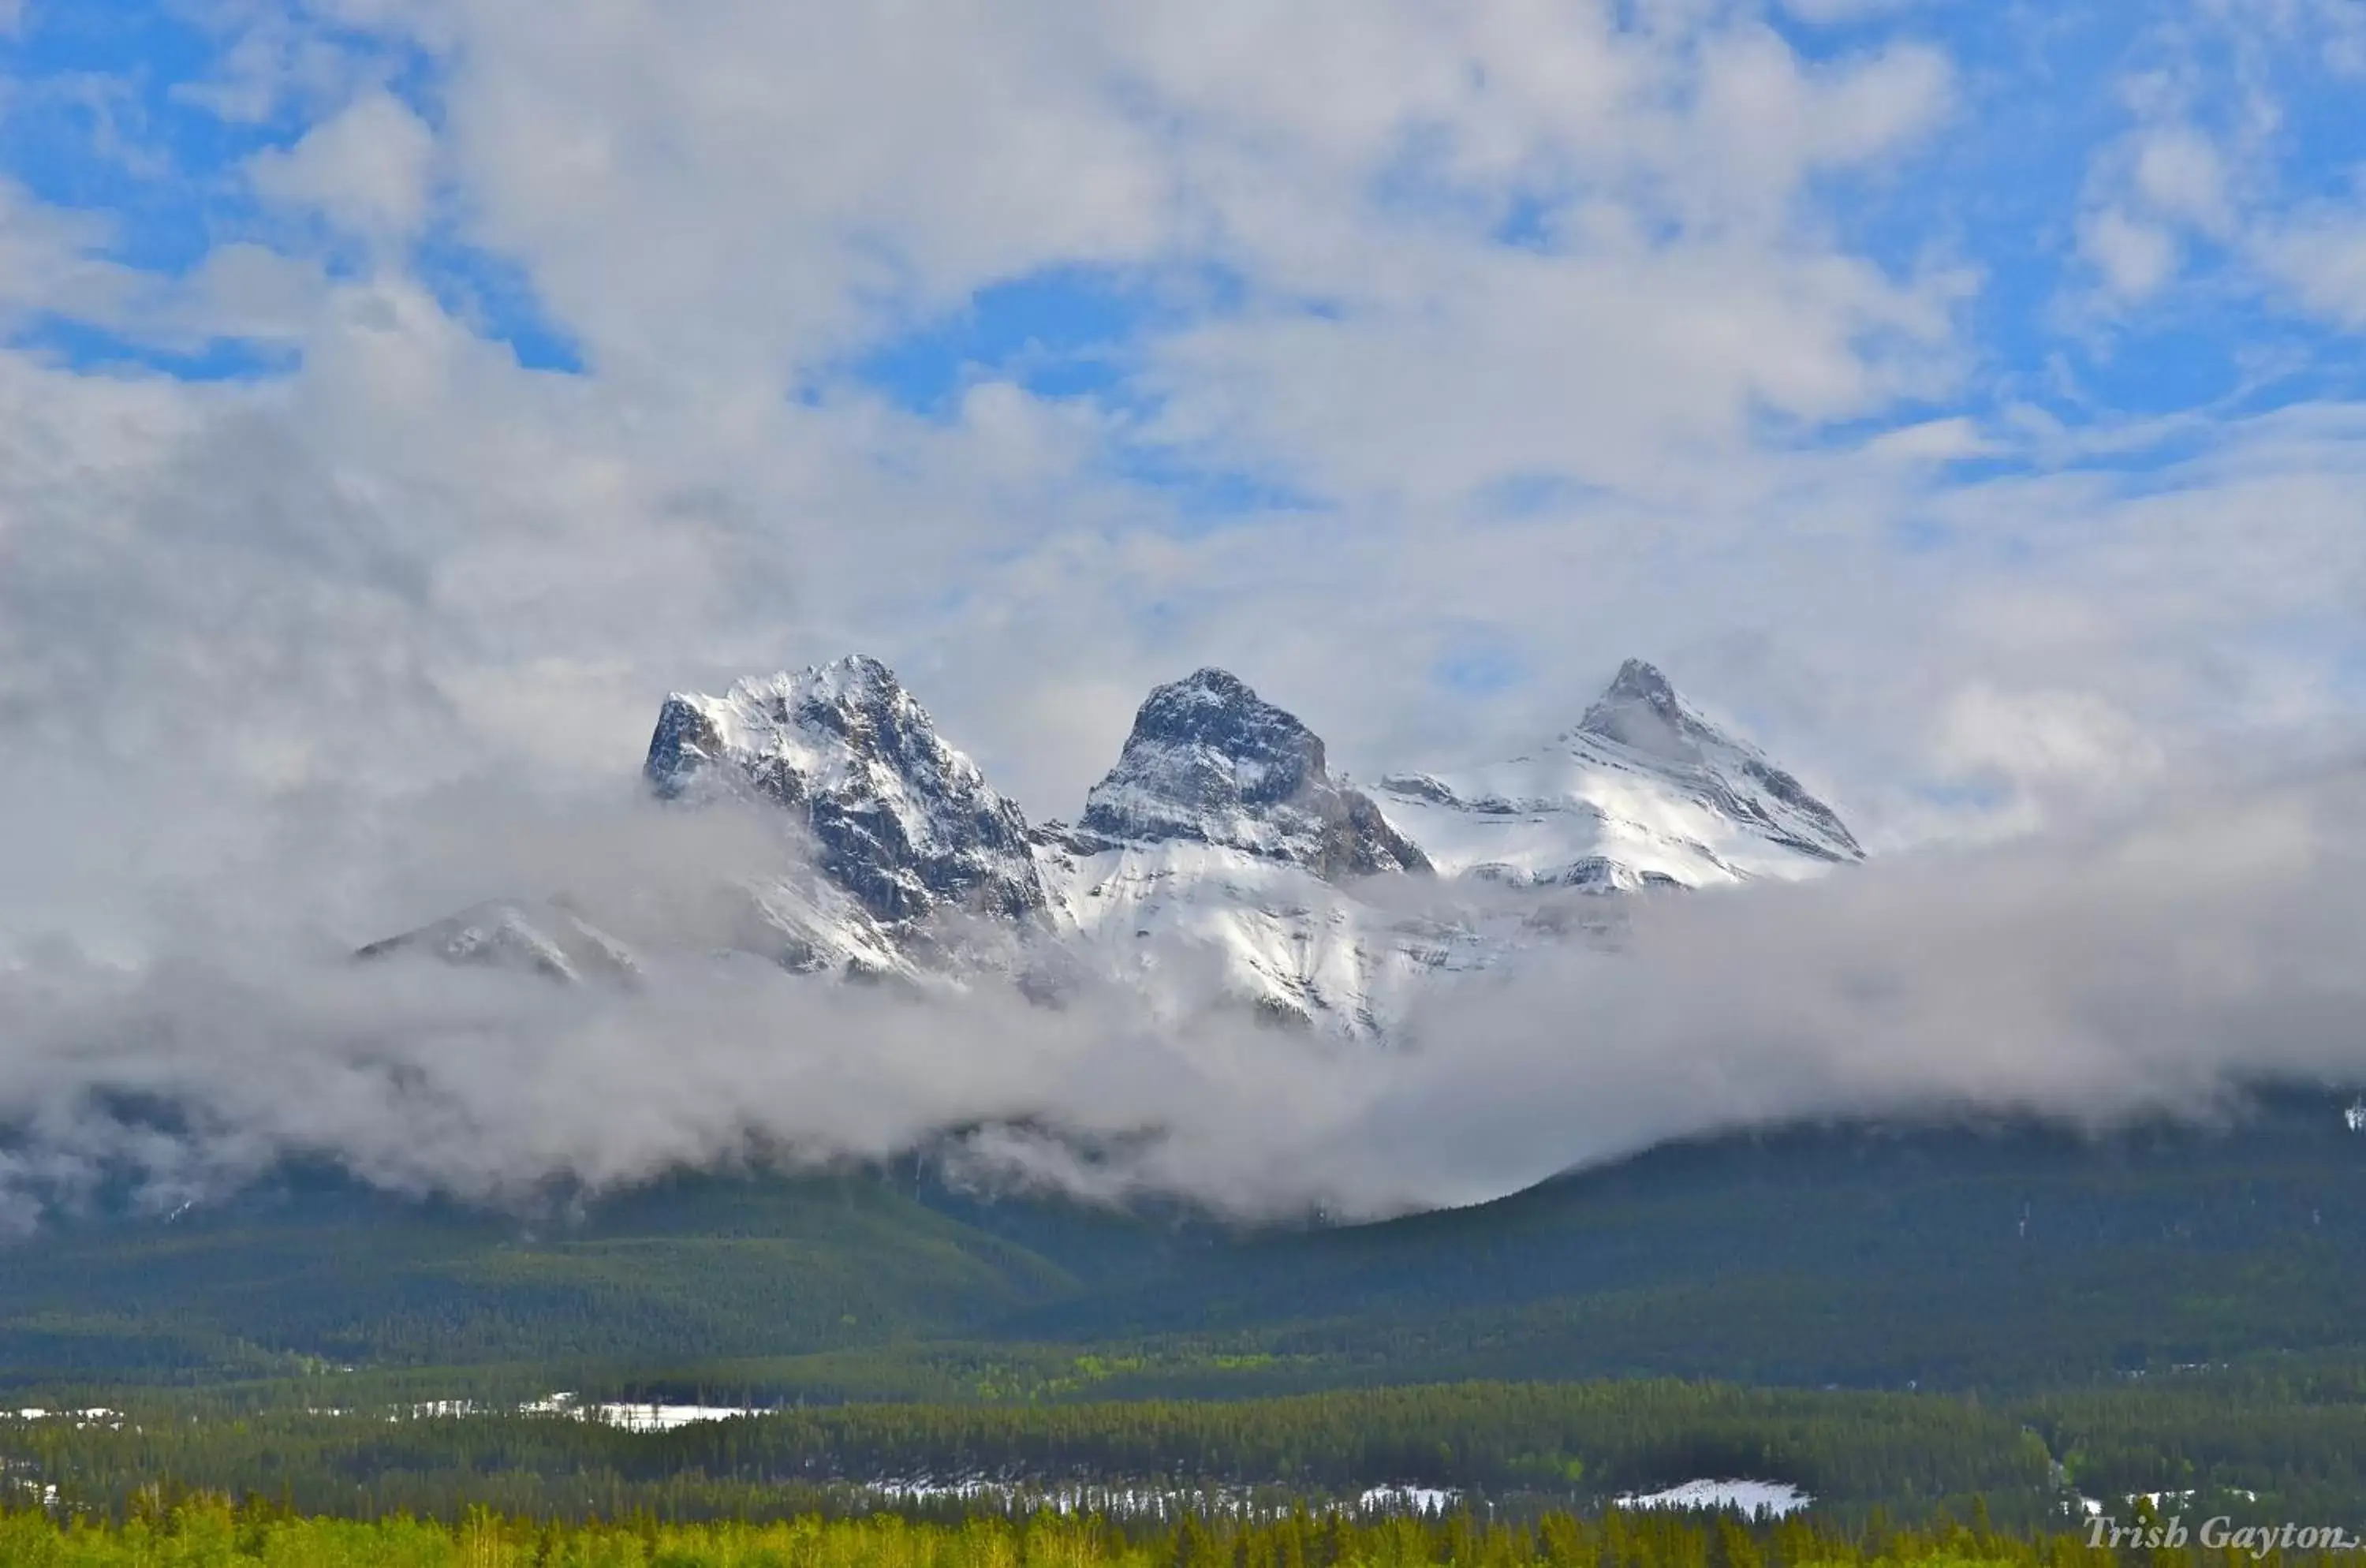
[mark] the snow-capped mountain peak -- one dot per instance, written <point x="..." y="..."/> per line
<point x="1211" y="763"/>
<point x="1220" y="857"/>
<point x="903" y="821"/>
<point x="1642" y="711"/>
<point x="1645" y="791"/>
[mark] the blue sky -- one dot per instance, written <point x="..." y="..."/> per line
<point x="1952" y="391"/>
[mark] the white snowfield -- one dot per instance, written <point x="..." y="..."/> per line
<point x="1219" y="858"/>
<point x="1170" y="919"/>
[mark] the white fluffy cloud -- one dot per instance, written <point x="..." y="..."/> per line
<point x="368" y="169"/>
<point x="51" y="258"/>
<point x="2155" y="964"/>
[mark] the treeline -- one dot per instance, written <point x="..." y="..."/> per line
<point x="1487" y="1436"/>
<point x="2296" y="1430"/>
<point x="205" y="1532"/>
<point x="1575" y="1443"/>
<point x="2295" y="1438"/>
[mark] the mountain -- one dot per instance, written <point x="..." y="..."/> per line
<point x="1221" y="848"/>
<point x="1644" y="792"/>
<point x="1211" y="763"/>
<point x="902" y="821"/>
<point x="1221" y="855"/>
<point x="547" y="938"/>
<point x="1219" y="861"/>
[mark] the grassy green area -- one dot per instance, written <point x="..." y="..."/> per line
<point x="205" y="1533"/>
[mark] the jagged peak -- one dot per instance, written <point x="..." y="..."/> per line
<point x="1209" y="683"/>
<point x="1210" y="760"/>
<point x="1640" y="709"/>
<point x="905" y="822"/>
<point x="1217" y="708"/>
<point x="825" y="716"/>
<point x="1641" y="712"/>
<point x="856" y="684"/>
<point x="855" y="677"/>
<point x="1638" y="680"/>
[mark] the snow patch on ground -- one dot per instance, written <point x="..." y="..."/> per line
<point x="1773" y="1499"/>
<point x="639" y="1417"/>
<point x="1403" y="1499"/>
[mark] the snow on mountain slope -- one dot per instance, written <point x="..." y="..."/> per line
<point x="1219" y="858"/>
<point x="1180" y="921"/>
<point x="1220" y="853"/>
<point x="903" y="822"/>
<point x="545" y="938"/>
<point x="1643" y="791"/>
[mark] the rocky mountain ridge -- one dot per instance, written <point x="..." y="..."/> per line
<point x="903" y="822"/>
<point x="1210" y="761"/>
<point x="1644" y="792"/>
<point x="1219" y="857"/>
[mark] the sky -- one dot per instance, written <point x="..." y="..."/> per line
<point x="398" y="398"/>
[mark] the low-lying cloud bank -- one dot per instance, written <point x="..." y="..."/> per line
<point x="2156" y="962"/>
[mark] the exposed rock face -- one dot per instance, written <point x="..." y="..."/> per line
<point x="1210" y="761"/>
<point x="903" y="822"/>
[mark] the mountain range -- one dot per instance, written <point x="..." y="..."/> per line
<point x="1219" y="856"/>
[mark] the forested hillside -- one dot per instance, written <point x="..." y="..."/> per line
<point x="2006" y="1255"/>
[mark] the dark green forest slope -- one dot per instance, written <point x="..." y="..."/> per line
<point x="1938" y="1255"/>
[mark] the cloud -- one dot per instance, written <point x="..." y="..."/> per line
<point x="2182" y="174"/>
<point x="2045" y="744"/>
<point x="2320" y="257"/>
<point x="2158" y="963"/>
<point x="2160" y="188"/>
<point x="643" y="163"/>
<point x="2135" y="258"/>
<point x="369" y="169"/>
<point x="1830" y="13"/>
<point x="2234" y="109"/>
<point x="52" y="257"/>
